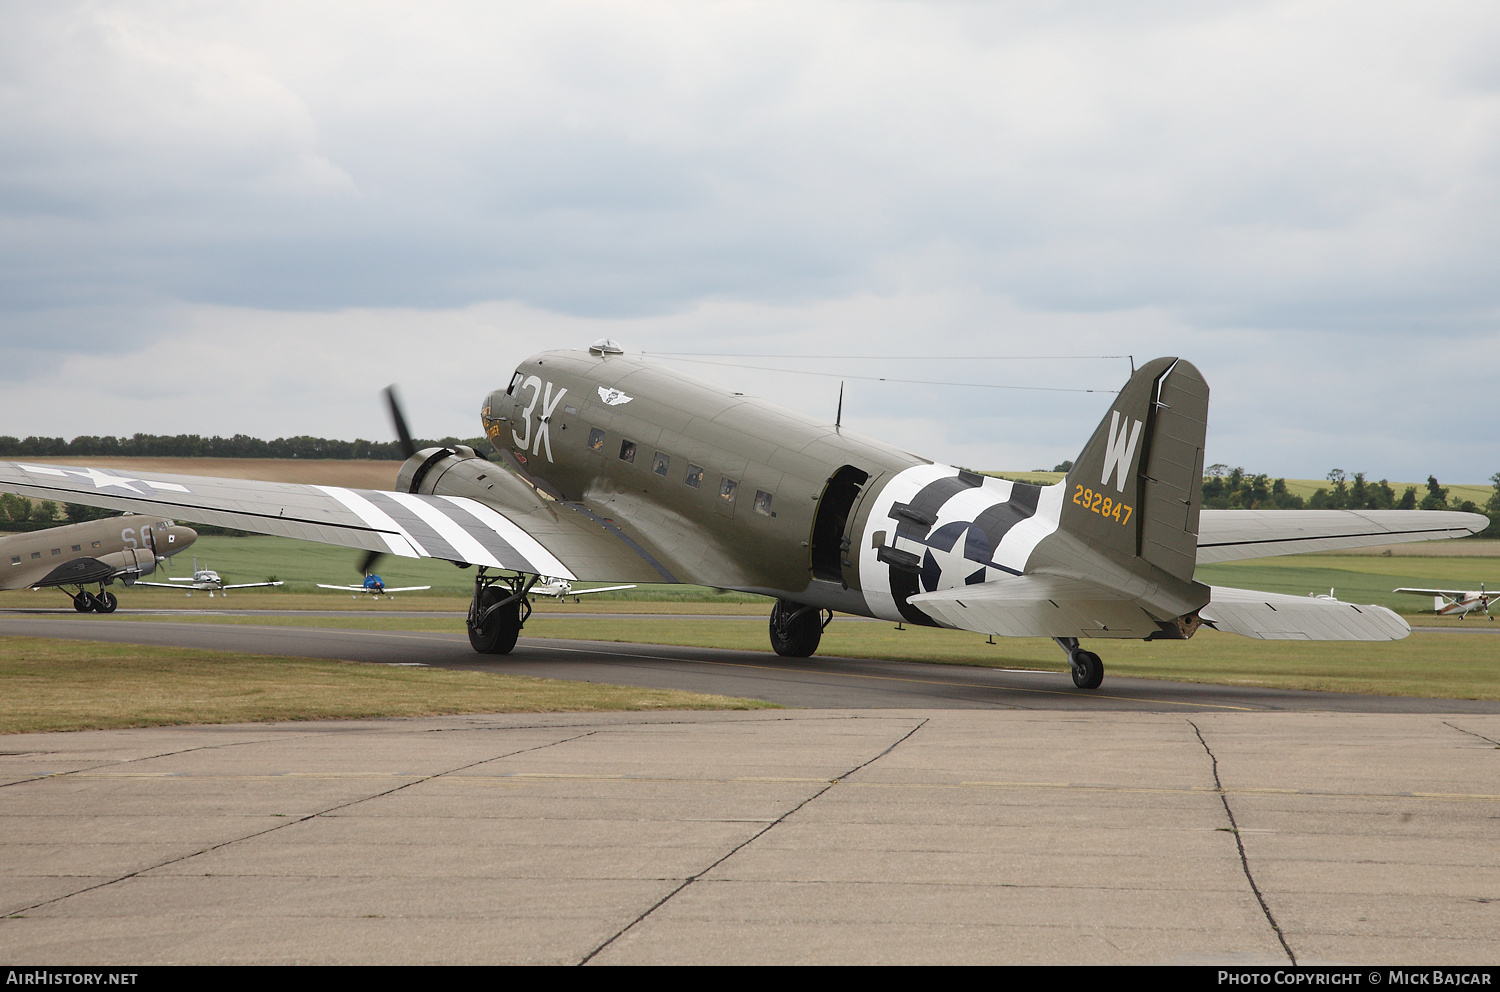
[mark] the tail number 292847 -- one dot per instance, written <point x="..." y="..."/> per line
<point x="1100" y="504"/>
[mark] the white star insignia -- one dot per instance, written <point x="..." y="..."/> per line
<point x="101" y="479"/>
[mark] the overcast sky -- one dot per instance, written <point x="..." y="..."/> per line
<point x="222" y="218"/>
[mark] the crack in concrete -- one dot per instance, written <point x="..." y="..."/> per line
<point x="290" y="822"/>
<point x="126" y="761"/>
<point x="746" y="843"/>
<point x="1240" y="844"/>
<point x="1471" y="733"/>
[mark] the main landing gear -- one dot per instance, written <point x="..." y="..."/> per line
<point x="86" y="602"/>
<point x="1088" y="669"/>
<point x="796" y="630"/>
<point x="499" y="610"/>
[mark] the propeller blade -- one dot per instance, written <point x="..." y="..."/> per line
<point x="407" y="447"/>
<point x="368" y="563"/>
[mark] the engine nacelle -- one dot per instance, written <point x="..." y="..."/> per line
<point x="460" y="471"/>
<point x="131" y="563"/>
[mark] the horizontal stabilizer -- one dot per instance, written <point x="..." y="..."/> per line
<point x="1038" y="606"/>
<point x="1273" y="616"/>
<point x="1233" y="535"/>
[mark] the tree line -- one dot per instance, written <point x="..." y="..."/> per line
<point x="195" y="446"/>
<point x="1225" y="488"/>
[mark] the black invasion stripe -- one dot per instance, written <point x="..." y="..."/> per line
<point x="930" y="499"/>
<point x="995" y="522"/>
<point x="492" y="542"/>
<point x="418" y="528"/>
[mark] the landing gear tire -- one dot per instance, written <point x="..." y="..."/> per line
<point x="795" y="630"/>
<point x="1088" y="670"/>
<point x="83" y="602"/>
<point x="499" y="631"/>
<point x="105" y="602"/>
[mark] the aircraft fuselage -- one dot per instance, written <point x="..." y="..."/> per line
<point x="742" y="494"/>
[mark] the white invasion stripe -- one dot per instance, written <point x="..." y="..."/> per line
<point x="168" y="486"/>
<point x="463" y="542"/>
<point x="546" y="563"/>
<point x="396" y="538"/>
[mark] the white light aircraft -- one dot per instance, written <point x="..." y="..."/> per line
<point x="204" y="579"/>
<point x="1457" y="602"/>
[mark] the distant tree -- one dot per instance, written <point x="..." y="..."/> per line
<point x="1436" y="498"/>
<point x="44" y="511"/>
<point x="1408" y="499"/>
<point x="1492" y="509"/>
<point x="14" y="508"/>
<point x="1063" y="467"/>
<point x="77" y="512"/>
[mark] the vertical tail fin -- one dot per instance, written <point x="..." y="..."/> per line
<point x="1137" y="487"/>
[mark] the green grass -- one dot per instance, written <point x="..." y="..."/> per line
<point x="83" y="685"/>
<point x="1356" y="578"/>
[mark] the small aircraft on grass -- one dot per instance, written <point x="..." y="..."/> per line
<point x="1457" y="602"/>
<point x="204" y="578"/>
<point x="375" y="586"/>
<point x="615" y="469"/>
<point x="561" y="589"/>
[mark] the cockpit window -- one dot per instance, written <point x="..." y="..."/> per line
<point x="515" y="381"/>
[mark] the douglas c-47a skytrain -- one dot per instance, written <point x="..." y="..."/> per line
<point x="616" y="469"/>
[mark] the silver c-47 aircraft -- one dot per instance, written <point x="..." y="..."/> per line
<point x="617" y="469"/>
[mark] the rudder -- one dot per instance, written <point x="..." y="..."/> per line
<point x="1137" y="487"/>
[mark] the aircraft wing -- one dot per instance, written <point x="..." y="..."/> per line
<point x="552" y="538"/>
<point x="170" y="585"/>
<point x="344" y="588"/>
<point x="1056" y="606"/>
<point x="1273" y="616"/>
<point x="1452" y="593"/>
<point x="247" y="585"/>
<point x="1233" y="535"/>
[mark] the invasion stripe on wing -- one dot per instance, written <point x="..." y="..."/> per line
<point x="451" y="530"/>
<point x="430" y="541"/>
<point x="545" y="562"/>
<point x="395" y="536"/>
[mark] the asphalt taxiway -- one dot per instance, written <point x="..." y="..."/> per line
<point x="822" y="681"/>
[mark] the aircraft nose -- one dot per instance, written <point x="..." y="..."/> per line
<point x="178" y="537"/>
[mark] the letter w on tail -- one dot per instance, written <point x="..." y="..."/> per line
<point x="1120" y="452"/>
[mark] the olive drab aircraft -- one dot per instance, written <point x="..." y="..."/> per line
<point x="95" y="552"/>
<point x="613" y="468"/>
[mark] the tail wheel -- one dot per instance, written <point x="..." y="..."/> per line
<point x="795" y="630"/>
<point x="105" y="602"/>
<point x="1088" y="670"/>
<point x="498" y="633"/>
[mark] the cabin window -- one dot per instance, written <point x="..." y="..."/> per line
<point x="694" y="477"/>
<point x="627" y="451"/>
<point x="659" y="464"/>
<point x="77" y="548"/>
<point x="57" y="551"/>
<point x="36" y="554"/>
<point x="15" y="559"/>
<point x="94" y="545"/>
<point x="596" y="440"/>
<point x="515" y="381"/>
<point x="763" y="503"/>
<point x="727" y="486"/>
